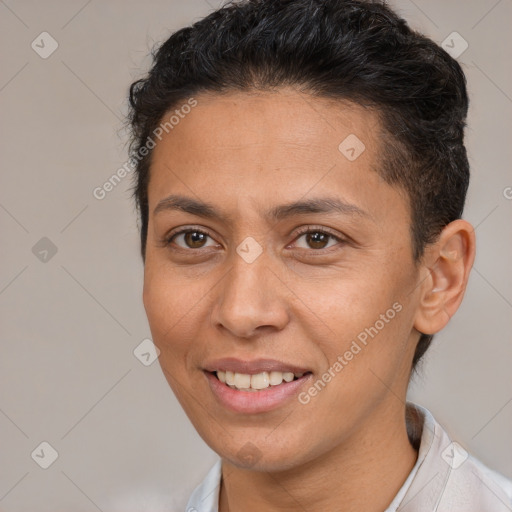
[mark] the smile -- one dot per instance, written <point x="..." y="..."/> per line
<point x="258" y="392"/>
<point x="255" y="382"/>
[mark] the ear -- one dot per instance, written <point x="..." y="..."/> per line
<point x="445" y="273"/>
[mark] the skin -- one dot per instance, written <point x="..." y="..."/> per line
<point x="298" y="302"/>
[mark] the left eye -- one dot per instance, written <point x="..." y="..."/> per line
<point x="316" y="239"/>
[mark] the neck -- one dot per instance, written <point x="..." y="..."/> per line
<point x="365" y="472"/>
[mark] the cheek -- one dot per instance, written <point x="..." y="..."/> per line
<point x="349" y="306"/>
<point x="171" y="306"/>
<point x="169" y="311"/>
<point x="366" y="321"/>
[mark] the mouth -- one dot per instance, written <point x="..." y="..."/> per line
<point x="256" y="382"/>
<point x="257" y="386"/>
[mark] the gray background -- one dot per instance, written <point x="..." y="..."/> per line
<point x="69" y="325"/>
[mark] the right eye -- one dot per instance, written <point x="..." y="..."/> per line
<point x="191" y="238"/>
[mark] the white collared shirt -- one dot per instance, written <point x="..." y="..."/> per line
<point x="444" y="479"/>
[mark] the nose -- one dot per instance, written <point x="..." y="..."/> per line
<point x="251" y="299"/>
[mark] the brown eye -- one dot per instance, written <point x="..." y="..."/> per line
<point x="317" y="239"/>
<point x="190" y="239"/>
<point x="194" y="239"/>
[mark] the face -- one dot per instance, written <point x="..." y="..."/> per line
<point x="274" y="253"/>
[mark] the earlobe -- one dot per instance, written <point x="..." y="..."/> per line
<point x="447" y="264"/>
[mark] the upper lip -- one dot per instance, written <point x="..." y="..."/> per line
<point x="252" y="367"/>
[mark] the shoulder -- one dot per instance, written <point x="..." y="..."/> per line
<point x="473" y="486"/>
<point x="462" y="483"/>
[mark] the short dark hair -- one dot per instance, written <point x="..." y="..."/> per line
<point x="353" y="50"/>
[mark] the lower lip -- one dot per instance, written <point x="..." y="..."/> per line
<point x="251" y="402"/>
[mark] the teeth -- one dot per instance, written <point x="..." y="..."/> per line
<point x="242" y="380"/>
<point x="260" y="381"/>
<point x="288" y="376"/>
<point x="257" y="381"/>
<point x="276" y="378"/>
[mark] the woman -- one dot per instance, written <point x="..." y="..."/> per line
<point x="301" y="176"/>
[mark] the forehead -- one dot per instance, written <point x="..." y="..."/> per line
<point x="281" y="144"/>
<point x="285" y="117"/>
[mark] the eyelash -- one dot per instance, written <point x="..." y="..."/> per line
<point x="302" y="231"/>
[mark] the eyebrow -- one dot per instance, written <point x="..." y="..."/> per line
<point x="280" y="212"/>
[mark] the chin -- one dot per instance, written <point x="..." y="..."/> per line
<point x="258" y="453"/>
